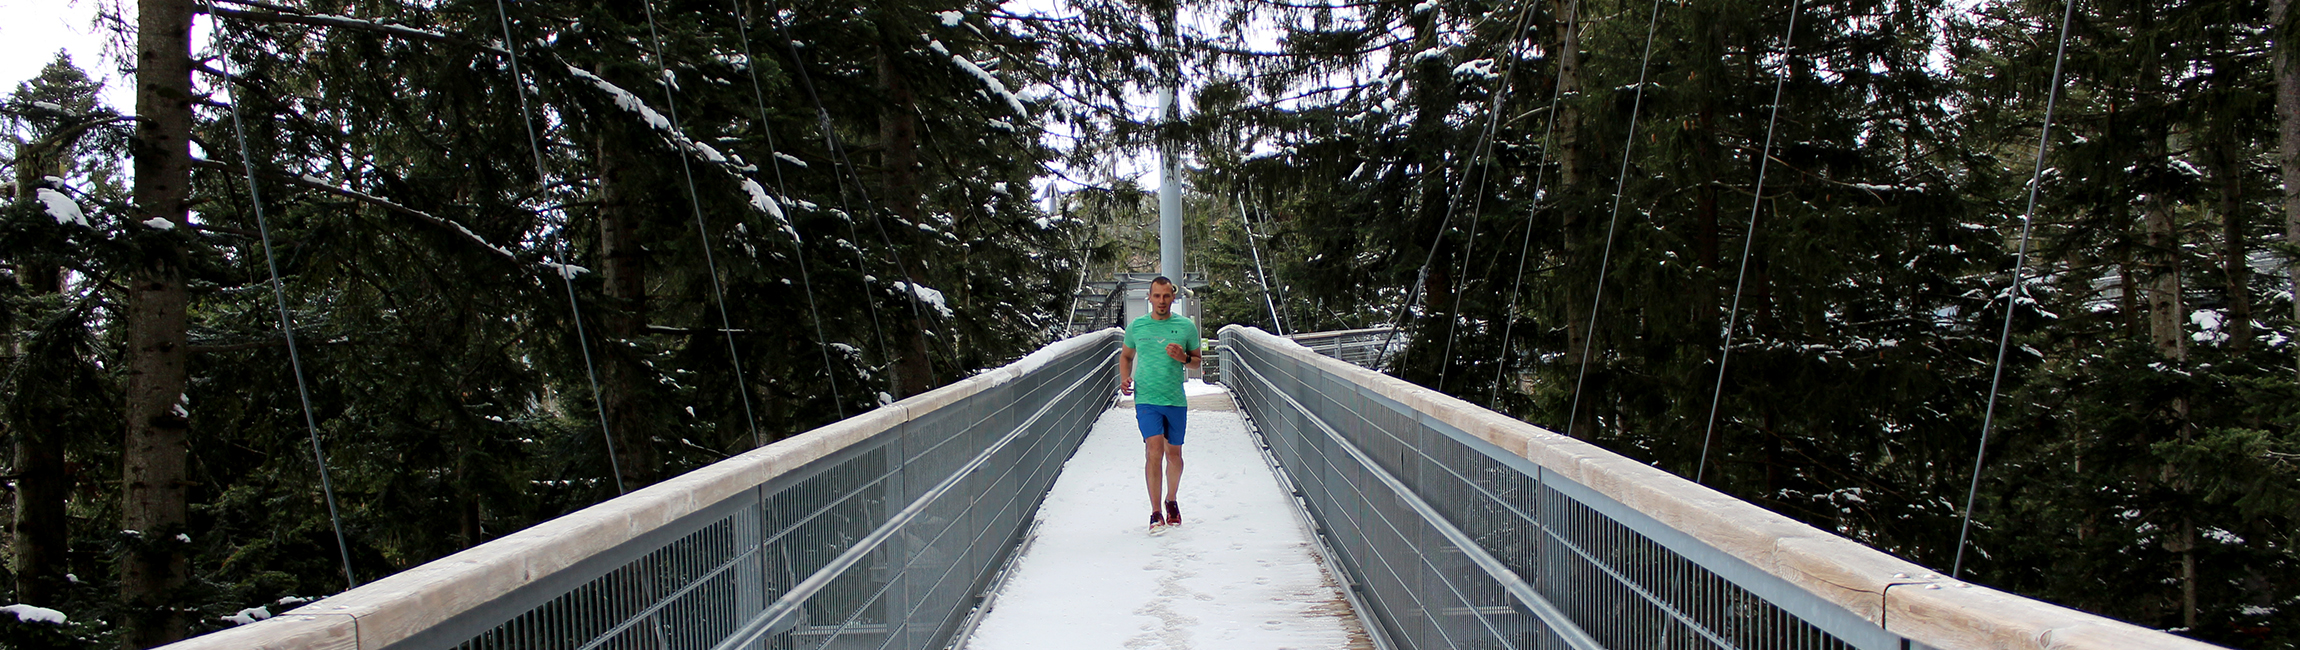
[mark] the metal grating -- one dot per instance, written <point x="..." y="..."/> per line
<point x="885" y="544"/>
<point x="1454" y="543"/>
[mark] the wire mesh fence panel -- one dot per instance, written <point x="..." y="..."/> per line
<point x="1455" y="543"/>
<point x="885" y="543"/>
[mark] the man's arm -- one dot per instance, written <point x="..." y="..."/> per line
<point x="1126" y="370"/>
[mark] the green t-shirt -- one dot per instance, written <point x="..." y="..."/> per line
<point x="1157" y="377"/>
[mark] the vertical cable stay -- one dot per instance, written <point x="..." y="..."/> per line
<point x="1540" y="176"/>
<point x="566" y="252"/>
<point x="2013" y="294"/>
<point x="702" y="230"/>
<point x="839" y="154"/>
<point x="1285" y="311"/>
<point x="1478" y="147"/>
<point x="1259" y="275"/>
<point x="774" y="161"/>
<point x="279" y="296"/>
<point x="1621" y="181"/>
<point x="1478" y="152"/>
<point x="1748" y="241"/>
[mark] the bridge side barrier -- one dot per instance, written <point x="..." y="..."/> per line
<point x="876" y="531"/>
<point x="1370" y="347"/>
<point x="1461" y="527"/>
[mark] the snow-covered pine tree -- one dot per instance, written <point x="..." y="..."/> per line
<point x="60" y="402"/>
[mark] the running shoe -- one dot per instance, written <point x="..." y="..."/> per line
<point x="1173" y="514"/>
<point x="1157" y="519"/>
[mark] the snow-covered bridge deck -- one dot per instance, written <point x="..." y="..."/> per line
<point x="1242" y="572"/>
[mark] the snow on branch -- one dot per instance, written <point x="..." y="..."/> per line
<point x="282" y="14"/>
<point x="757" y="195"/>
<point x="988" y="79"/>
<point x="927" y="295"/>
<point x="62" y="207"/>
<point x="370" y="199"/>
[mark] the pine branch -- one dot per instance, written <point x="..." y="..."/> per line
<point x="288" y="15"/>
<point x="258" y="345"/>
<point x="370" y="199"/>
<point x="692" y="331"/>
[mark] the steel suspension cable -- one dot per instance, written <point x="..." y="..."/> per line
<point x="279" y="297"/>
<point x="1477" y="198"/>
<point x="1540" y="176"/>
<point x="1469" y="165"/>
<point x="1278" y="289"/>
<point x="702" y="230"/>
<point x="1613" y="224"/>
<point x="840" y="159"/>
<point x="566" y="252"/>
<point x="2013" y="294"/>
<point x="1259" y="275"/>
<point x="1749" y="240"/>
<point x="774" y="161"/>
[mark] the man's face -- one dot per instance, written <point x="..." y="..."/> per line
<point x="1162" y="300"/>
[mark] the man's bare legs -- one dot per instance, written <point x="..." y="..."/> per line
<point x="1161" y="467"/>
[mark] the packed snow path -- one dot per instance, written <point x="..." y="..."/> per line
<point x="1241" y="572"/>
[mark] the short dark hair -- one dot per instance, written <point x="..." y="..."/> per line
<point x="1162" y="280"/>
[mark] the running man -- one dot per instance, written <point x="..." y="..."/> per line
<point x="1160" y="407"/>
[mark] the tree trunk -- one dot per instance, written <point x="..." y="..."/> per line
<point x="2288" y="139"/>
<point x="1707" y="313"/>
<point x="2166" y="315"/>
<point x="1438" y="309"/>
<point x="898" y="129"/>
<point x="41" y="527"/>
<point x="2128" y="293"/>
<point x="1569" y="159"/>
<point x="623" y="279"/>
<point x="2165" y="311"/>
<point x="2236" y="270"/>
<point x="153" y="459"/>
<point x="1571" y="170"/>
<point x="2188" y="572"/>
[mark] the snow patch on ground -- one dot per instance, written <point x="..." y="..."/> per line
<point x="1196" y="387"/>
<point x="1240" y="572"/>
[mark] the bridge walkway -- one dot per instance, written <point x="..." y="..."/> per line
<point x="1241" y="573"/>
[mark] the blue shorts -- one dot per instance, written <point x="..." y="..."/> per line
<point x="1161" y="420"/>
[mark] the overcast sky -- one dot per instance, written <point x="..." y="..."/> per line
<point x="31" y="31"/>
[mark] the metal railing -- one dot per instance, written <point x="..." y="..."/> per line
<point x="879" y="531"/>
<point x="1457" y="527"/>
<point x="1369" y="348"/>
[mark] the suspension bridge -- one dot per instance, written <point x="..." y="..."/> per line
<point x="1345" y="508"/>
<point x="1396" y="516"/>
